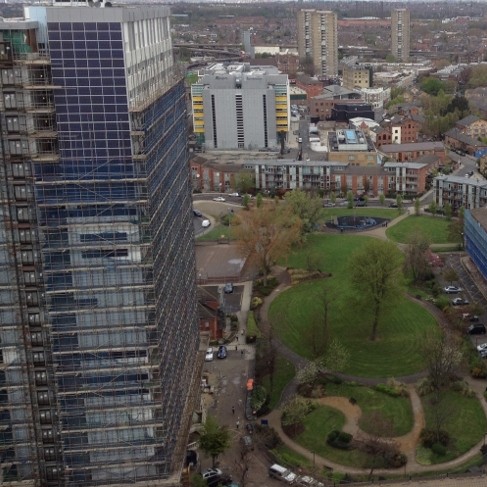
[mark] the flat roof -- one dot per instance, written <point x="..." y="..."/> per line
<point x="480" y="214"/>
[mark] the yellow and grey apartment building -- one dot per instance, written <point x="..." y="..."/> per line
<point x="241" y="107"/>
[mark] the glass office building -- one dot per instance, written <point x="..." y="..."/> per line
<point x="98" y="329"/>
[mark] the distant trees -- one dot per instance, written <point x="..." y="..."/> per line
<point x="376" y="277"/>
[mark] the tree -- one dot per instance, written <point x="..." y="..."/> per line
<point x="349" y="200"/>
<point x="455" y="228"/>
<point x="376" y="278"/>
<point x="333" y="197"/>
<point x="433" y="208"/>
<point x="215" y="439"/>
<point x="448" y="211"/>
<point x="399" y="203"/>
<point x="450" y="275"/>
<point x="432" y="86"/>
<point x="244" y="182"/>
<point x="417" y="207"/>
<point x="266" y="234"/>
<point x="382" y="199"/>
<point x="306" y="206"/>
<point x="442" y="355"/>
<point x="294" y="412"/>
<point x="416" y="261"/>
<point x="246" y="201"/>
<point x="259" y="199"/>
<point x="336" y="356"/>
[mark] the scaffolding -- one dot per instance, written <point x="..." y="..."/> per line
<point x="98" y="328"/>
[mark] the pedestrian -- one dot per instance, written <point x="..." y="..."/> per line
<point x="236" y="338"/>
<point x="237" y="424"/>
<point x="242" y="331"/>
<point x="236" y="347"/>
<point x="241" y="352"/>
<point x="233" y="409"/>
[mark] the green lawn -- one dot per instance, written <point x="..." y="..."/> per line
<point x="433" y="228"/>
<point x="317" y="425"/>
<point x="215" y="233"/>
<point x="284" y="372"/>
<point x="395" y="410"/>
<point x="296" y="315"/>
<point x="465" y="421"/>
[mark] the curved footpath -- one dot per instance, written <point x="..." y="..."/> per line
<point x="406" y="443"/>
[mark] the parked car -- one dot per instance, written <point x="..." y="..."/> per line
<point x="459" y="301"/>
<point x="281" y="473"/>
<point x="211" y="472"/>
<point x="205" y="223"/>
<point x="228" y="288"/>
<point x="393" y="205"/>
<point x="483" y="353"/>
<point x="235" y="195"/>
<point x="209" y="355"/>
<point x="307" y="481"/>
<point x="476" y="329"/>
<point x="222" y="352"/>
<point x="197" y="213"/>
<point x="219" y="198"/>
<point x="452" y="289"/>
<point x="250" y="428"/>
<point x="469" y="317"/>
<point x="482" y="346"/>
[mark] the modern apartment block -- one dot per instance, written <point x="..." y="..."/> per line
<point x="98" y="323"/>
<point x="340" y="177"/>
<point x="460" y="191"/>
<point x="401" y="34"/>
<point x="241" y="107"/>
<point x="317" y="40"/>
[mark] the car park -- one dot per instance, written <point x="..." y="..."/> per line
<point x="209" y="354"/>
<point x="281" y="473"/>
<point x="222" y="352"/>
<point x="459" y="301"/>
<point x="219" y="198"/>
<point x="228" y="288"/>
<point x="205" y="223"/>
<point x="476" y="329"/>
<point x="452" y="289"/>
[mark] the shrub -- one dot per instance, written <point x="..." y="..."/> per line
<point x="253" y="331"/>
<point x="463" y="388"/>
<point x="339" y="439"/>
<point x="478" y="368"/>
<point x="429" y="437"/>
<point x="442" y="302"/>
<point x="438" y="449"/>
<point x="392" y="388"/>
<point x="269" y="437"/>
<point x="424" y="387"/>
<point x="258" y="398"/>
<point x="265" y="289"/>
<point x="256" y="302"/>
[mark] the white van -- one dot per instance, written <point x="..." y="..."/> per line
<point x="281" y="473"/>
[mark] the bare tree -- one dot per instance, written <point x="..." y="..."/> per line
<point x="376" y="275"/>
<point x="442" y="356"/>
<point x="416" y="261"/>
<point x="242" y="465"/>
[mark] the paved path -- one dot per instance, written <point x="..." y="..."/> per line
<point x="406" y="443"/>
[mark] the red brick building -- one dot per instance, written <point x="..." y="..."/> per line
<point x="397" y="130"/>
<point x="413" y="151"/>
